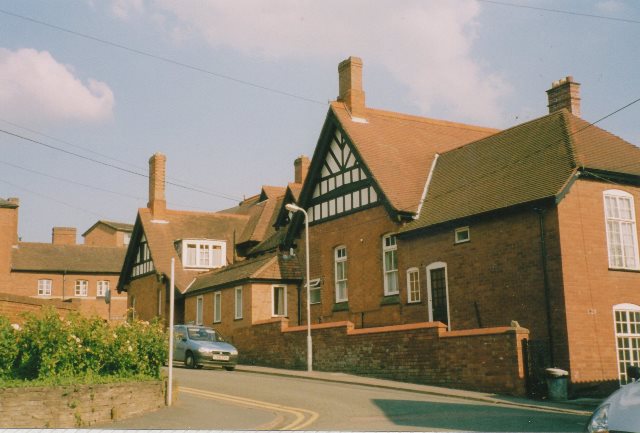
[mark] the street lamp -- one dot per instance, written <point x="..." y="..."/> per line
<point x="293" y="208"/>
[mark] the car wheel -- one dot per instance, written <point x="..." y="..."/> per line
<point x="229" y="367"/>
<point x="189" y="360"/>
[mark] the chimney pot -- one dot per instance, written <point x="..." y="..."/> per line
<point x="350" y="86"/>
<point x="301" y="166"/>
<point x="157" y="167"/>
<point x="564" y="93"/>
<point x="63" y="236"/>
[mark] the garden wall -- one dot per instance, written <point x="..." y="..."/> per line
<point x="12" y="306"/>
<point x="488" y="360"/>
<point x="77" y="405"/>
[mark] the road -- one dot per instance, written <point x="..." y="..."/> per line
<point x="221" y="400"/>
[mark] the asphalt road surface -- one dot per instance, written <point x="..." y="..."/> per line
<point x="221" y="400"/>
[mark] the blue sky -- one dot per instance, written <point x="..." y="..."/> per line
<point x="478" y="62"/>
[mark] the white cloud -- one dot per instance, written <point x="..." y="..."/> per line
<point x="610" y="6"/>
<point x="123" y="9"/>
<point x="426" y="45"/>
<point x="34" y="86"/>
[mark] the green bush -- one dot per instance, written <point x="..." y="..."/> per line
<point x="8" y="346"/>
<point x="51" y="347"/>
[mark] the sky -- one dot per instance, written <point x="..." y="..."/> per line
<point x="233" y="92"/>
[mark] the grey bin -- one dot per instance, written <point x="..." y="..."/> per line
<point x="557" y="383"/>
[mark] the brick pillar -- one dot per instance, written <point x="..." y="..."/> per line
<point x="63" y="236"/>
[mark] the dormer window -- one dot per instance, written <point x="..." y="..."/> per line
<point x="202" y="253"/>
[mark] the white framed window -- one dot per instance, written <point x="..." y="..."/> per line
<point x="462" y="234"/>
<point x="160" y="302"/>
<point x="340" y="257"/>
<point x="101" y="288"/>
<point x="413" y="285"/>
<point x="217" y="307"/>
<point x="199" y="306"/>
<point x="81" y="287"/>
<point x="438" y="293"/>
<point x="622" y="241"/>
<point x="238" y="292"/>
<point x="44" y="287"/>
<point x="627" y="327"/>
<point x="203" y="254"/>
<point x="279" y="297"/>
<point x="390" y="264"/>
<point x="314" y="291"/>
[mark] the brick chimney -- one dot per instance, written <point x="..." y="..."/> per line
<point x="301" y="166"/>
<point x="8" y="238"/>
<point x="564" y="93"/>
<point x="350" y="86"/>
<point x="157" y="202"/>
<point x="63" y="236"/>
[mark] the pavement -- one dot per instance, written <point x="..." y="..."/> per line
<point x="580" y="406"/>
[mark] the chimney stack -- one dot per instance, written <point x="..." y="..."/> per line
<point x="8" y="238"/>
<point x="301" y="166"/>
<point x="350" y="86"/>
<point x="564" y="93"/>
<point x="157" y="202"/>
<point x="63" y="236"/>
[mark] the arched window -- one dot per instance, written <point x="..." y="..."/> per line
<point x="627" y="322"/>
<point x="620" y="216"/>
<point x="413" y="285"/>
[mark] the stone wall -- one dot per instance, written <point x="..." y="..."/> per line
<point x="78" y="405"/>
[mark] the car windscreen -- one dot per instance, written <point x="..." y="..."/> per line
<point x="203" y="334"/>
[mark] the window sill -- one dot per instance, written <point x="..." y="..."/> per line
<point x="414" y="303"/>
<point x="624" y="270"/>
<point x="340" y="306"/>
<point x="390" y="300"/>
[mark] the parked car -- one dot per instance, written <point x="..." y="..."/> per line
<point x="620" y="412"/>
<point x="198" y="346"/>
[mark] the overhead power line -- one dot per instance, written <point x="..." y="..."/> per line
<point x="106" y="164"/>
<point x="559" y="11"/>
<point x="164" y="59"/>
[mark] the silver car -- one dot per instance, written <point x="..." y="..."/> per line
<point x="620" y="412"/>
<point x="198" y="346"/>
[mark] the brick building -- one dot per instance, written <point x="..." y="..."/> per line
<point x="219" y="259"/>
<point x="81" y="274"/>
<point x="414" y="220"/>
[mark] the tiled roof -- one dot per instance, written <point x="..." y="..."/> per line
<point x="528" y="162"/>
<point x="30" y="256"/>
<point x="121" y="227"/>
<point x="295" y="189"/>
<point x="267" y="267"/>
<point x="399" y="149"/>
<point x="174" y="225"/>
<point x="271" y="192"/>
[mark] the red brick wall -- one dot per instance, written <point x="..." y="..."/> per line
<point x="361" y="233"/>
<point x="104" y="236"/>
<point x="488" y="360"/>
<point x="63" y="287"/>
<point x="591" y="288"/>
<point x="12" y="306"/>
<point x="257" y="307"/>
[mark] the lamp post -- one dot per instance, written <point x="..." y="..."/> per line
<point x="293" y="208"/>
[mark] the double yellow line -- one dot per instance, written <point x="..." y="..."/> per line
<point x="302" y="417"/>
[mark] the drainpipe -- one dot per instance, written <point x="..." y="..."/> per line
<point x="64" y="279"/>
<point x="545" y="276"/>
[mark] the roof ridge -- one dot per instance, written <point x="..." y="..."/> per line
<point x="419" y="119"/>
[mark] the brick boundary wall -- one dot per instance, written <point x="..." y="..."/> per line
<point x="12" y="306"/>
<point x="488" y="359"/>
<point x="78" y="405"/>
